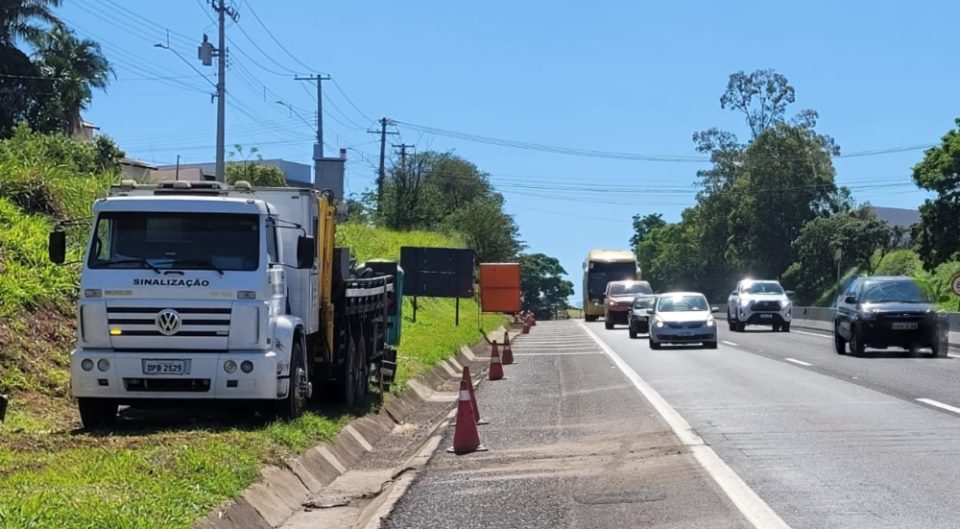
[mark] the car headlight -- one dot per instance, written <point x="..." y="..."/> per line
<point x="658" y="323"/>
<point x="710" y="323"/>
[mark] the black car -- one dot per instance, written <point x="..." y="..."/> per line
<point x="886" y="312"/>
<point x="639" y="319"/>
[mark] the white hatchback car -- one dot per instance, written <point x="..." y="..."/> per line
<point x="683" y="318"/>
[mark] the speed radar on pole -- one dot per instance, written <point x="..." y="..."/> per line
<point x="955" y="284"/>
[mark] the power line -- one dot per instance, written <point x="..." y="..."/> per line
<point x="277" y="41"/>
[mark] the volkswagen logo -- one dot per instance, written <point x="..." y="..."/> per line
<point x="168" y="322"/>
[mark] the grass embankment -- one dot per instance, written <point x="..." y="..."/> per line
<point x="906" y="262"/>
<point x="152" y="470"/>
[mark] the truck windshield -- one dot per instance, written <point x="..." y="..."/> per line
<point x="201" y="241"/>
<point x="600" y="274"/>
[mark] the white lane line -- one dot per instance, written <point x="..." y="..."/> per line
<point x="942" y="406"/>
<point x="818" y="335"/>
<point x="558" y="354"/>
<point x="798" y="362"/>
<point x="731" y="344"/>
<point x="751" y="505"/>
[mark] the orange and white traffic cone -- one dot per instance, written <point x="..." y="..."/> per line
<point x="473" y="395"/>
<point x="466" y="439"/>
<point x="496" y="370"/>
<point x="507" y="350"/>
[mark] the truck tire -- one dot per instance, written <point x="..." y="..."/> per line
<point x="936" y="350"/>
<point x="296" y="401"/>
<point x="590" y="318"/>
<point x="97" y="413"/>
<point x="607" y="323"/>
<point x="345" y="379"/>
<point x="633" y="331"/>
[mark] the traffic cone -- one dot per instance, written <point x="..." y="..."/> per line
<point x="496" y="370"/>
<point x="473" y="395"/>
<point x="466" y="439"/>
<point x="507" y="350"/>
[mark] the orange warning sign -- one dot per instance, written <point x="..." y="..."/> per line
<point x="500" y="287"/>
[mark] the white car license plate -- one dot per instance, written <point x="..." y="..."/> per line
<point x="766" y="316"/>
<point x="166" y="367"/>
<point x="904" y="326"/>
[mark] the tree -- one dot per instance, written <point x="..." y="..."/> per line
<point x="73" y="68"/>
<point x="542" y="285"/>
<point x="485" y="228"/>
<point x="642" y="225"/>
<point x="20" y="21"/>
<point x="253" y="171"/>
<point x="935" y="234"/>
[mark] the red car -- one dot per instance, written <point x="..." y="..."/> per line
<point x="618" y="299"/>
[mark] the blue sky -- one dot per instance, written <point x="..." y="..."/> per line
<point x="637" y="77"/>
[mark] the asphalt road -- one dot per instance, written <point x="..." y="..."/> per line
<point x="572" y="443"/>
<point x="827" y="441"/>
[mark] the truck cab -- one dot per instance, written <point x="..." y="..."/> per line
<point x="197" y="291"/>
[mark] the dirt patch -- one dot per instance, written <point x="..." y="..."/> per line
<point x="34" y="352"/>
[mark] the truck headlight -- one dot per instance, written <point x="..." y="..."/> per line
<point x="86" y="364"/>
<point x="230" y="366"/>
<point x="103" y="364"/>
<point x="246" y="366"/>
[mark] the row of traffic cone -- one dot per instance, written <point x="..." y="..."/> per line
<point x="466" y="438"/>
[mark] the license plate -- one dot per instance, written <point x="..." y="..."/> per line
<point x="686" y="333"/>
<point x="166" y="367"/>
<point x="766" y="316"/>
<point x="904" y="326"/>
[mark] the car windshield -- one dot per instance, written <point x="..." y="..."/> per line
<point x="644" y="303"/>
<point x="763" y="287"/>
<point x="894" y="291"/>
<point x="176" y="241"/>
<point x="682" y="303"/>
<point x="625" y="289"/>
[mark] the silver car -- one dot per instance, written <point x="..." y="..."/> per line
<point x="683" y="318"/>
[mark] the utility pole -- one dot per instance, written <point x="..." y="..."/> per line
<point x="403" y="154"/>
<point x="403" y="178"/>
<point x="206" y="54"/>
<point x="319" y="79"/>
<point x="381" y="174"/>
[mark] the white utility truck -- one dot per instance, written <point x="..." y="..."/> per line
<point x="198" y="290"/>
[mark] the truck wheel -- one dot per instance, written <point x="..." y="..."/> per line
<point x="348" y="386"/>
<point x="607" y="323"/>
<point x="936" y="350"/>
<point x="590" y="318"/>
<point x="633" y="331"/>
<point x="296" y="401"/>
<point x="97" y="413"/>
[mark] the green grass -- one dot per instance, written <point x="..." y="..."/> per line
<point x="368" y="242"/>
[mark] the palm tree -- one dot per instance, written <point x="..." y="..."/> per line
<point x="19" y="21"/>
<point x="18" y="18"/>
<point x="75" y="67"/>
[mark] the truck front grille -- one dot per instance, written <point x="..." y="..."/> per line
<point x="194" y="321"/>
<point x="773" y="306"/>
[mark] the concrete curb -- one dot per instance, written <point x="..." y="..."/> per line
<point x="282" y="490"/>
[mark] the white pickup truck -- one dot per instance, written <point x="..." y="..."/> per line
<point x="759" y="302"/>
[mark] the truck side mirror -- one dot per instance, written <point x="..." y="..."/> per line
<point x="306" y="251"/>
<point x="57" y="247"/>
